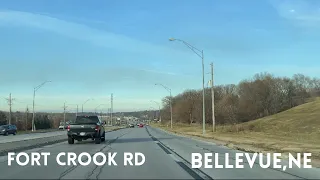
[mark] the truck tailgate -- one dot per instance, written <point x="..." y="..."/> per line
<point x="82" y="127"/>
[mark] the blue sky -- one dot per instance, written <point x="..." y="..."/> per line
<point x="90" y="49"/>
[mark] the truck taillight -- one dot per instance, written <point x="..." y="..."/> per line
<point x="97" y="128"/>
<point x="68" y="128"/>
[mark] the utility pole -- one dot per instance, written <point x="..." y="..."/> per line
<point x="10" y="108"/>
<point x="212" y="97"/>
<point x="27" y="115"/>
<point x="64" y="115"/>
<point x="34" y="96"/>
<point x="77" y="110"/>
<point x="111" y="110"/>
<point x="108" y="115"/>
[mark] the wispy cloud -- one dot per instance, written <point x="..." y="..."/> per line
<point x="300" y="12"/>
<point x="105" y="39"/>
<point x="84" y="32"/>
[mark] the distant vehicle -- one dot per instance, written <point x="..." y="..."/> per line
<point x="131" y="126"/>
<point x="141" y="125"/>
<point x="61" y="126"/>
<point x="138" y="124"/>
<point x="8" y="129"/>
<point x="86" y="127"/>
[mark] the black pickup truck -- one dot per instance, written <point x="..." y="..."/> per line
<point x="86" y="127"/>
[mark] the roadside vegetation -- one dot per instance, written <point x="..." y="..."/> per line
<point x="43" y="121"/>
<point x="296" y="130"/>
<point x="263" y="114"/>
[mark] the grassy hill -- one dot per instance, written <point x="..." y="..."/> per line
<point x="294" y="130"/>
<point x="300" y="123"/>
<point x="301" y="119"/>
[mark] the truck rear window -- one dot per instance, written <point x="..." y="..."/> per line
<point x="86" y="119"/>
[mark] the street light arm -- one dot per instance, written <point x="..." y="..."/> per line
<point x="165" y="87"/>
<point x="156" y="102"/>
<point x="38" y="87"/>
<point x="86" y="101"/>
<point x="194" y="49"/>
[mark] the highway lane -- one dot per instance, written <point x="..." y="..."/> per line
<point x="158" y="164"/>
<point x="166" y="158"/>
<point x="23" y="137"/>
<point x="184" y="146"/>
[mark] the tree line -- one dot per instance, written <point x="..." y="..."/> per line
<point x="23" y="120"/>
<point x="254" y="98"/>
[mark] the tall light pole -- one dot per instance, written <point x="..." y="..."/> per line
<point x="85" y="103"/>
<point x="64" y="115"/>
<point x="77" y="109"/>
<point x="111" y="109"/>
<point x="34" y="96"/>
<point x="151" y="109"/>
<point x="159" y="109"/>
<point x="168" y="89"/>
<point x="109" y="115"/>
<point x="95" y="109"/>
<point x="200" y="54"/>
<point x="212" y="100"/>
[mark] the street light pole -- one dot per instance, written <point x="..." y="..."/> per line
<point x="168" y="89"/>
<point x="95" y="109"/>
<point x="34" y="95"/>
<point x="85" y="103"/>
<point x="159" y="109"/>
<point x="212" y="101"/>
<point x="64" y="115"/>
<point x="197" y="51"/>
<point x="33" y="114"/>
<point x="203" y="99"/>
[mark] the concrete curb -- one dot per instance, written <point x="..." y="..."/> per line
<point x="19" y="146"/>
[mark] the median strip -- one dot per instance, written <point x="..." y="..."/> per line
<point x="23" y="145"/>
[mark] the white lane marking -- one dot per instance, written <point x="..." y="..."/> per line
<point x="156" y="142"/>
<point x="174" y="158"/>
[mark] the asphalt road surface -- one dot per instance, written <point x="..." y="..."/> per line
<point x="167" y="156"/>
<point x="29" y="136"/>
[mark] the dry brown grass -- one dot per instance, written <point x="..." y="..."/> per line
<point x="296" y="130"/>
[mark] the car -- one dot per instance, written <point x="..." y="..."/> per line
<point x="131" y="126"/>
<point x="86" y="127"/>
<point x="141" y="125"/>
<point x="8" y="129"/>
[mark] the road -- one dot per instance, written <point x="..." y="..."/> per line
<point x="166" y="157"/>
<point x="22" y="137"/>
